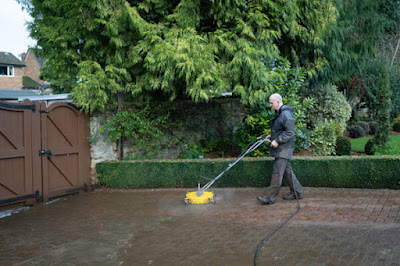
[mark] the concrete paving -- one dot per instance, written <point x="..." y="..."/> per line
<point x="156" y="227"/>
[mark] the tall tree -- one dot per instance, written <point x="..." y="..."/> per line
<point x="384" y="106"/>
<point x="186" y="48"/>
<point x="353" y="41"/>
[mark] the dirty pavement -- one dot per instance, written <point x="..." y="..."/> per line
<point x="155" y="227"/>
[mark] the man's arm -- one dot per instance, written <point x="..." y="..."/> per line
<point x="288" y="132"/>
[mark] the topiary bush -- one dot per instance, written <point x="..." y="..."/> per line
<point x="364" y="125"/>
<point x="373" y="127"/>
<point x="330" y="104"/>
<point x="356" y="132"/>
<point x="384" y="105"/>
<point x="369" y="147"/>
<point x="343" y="146"/>
<point x="396" y="127"/>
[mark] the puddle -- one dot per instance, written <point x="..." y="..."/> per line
<point x="7" y="213"/>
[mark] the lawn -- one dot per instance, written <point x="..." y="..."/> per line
<point x="392" y="148"/>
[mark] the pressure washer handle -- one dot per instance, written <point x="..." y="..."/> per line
<point x="251" y="149"/>
<point x="264" y="137"/>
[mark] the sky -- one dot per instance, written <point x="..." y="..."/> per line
<point x="14" y="36"/>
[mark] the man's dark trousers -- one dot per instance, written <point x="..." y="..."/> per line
<point x="283" y="169"/>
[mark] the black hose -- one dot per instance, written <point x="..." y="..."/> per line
<point x="277" y="228"/>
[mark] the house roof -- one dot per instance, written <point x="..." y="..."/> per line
<point x="7" y="58"/>
<point x="27" y="82"/>
<point x="6" y="94"/>
<point x="39" y="60"/>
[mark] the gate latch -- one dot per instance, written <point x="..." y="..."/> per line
<point x="44" y="152"/>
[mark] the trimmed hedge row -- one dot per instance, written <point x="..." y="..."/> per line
<point x="345" y="172"/>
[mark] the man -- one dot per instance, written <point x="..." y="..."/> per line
<point x="282" y="146"/>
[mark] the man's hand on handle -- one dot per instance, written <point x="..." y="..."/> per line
<point x="274" y="144"/>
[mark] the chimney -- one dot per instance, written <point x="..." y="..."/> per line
<point x="23" y="56"/>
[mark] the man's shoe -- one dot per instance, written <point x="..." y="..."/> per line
<point x="292" y="196"/>
<point x="266" y="200"/>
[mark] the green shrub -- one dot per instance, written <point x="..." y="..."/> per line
<point x="396" y="127"/>
<point x="396" y="120"/>
<point x="373" y="126"/>
<point x="258" y="118"/>
<point x="341" y="171"/>
<point x="343" y="146"/>
<point x="323" y="138"/>
<point x="330" y="104"/>
<point x="369" y="147"/>
<point x="356" y="132"/>
<point x="364" y="125"/>
<point x="303" y="139"/>
<point x="390" y="148"/>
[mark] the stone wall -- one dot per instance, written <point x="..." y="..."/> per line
<point x="100" y="150"/>
<point x="218" y="118"/>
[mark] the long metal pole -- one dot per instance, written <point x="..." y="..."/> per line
<point x="252" y="148"/>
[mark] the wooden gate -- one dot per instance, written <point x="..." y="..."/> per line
<point x="43" y="151"/>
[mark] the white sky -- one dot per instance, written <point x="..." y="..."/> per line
<point x="14" y="36"/>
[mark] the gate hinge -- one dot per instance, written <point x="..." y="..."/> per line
<point x="44" y="152"/>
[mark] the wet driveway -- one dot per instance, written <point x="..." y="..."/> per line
<point x="156" y="227"/>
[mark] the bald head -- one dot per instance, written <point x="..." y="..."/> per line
<point x="276" y="96"/>
<point x="275" y="101"/>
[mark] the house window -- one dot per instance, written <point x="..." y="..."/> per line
<point x="7" y="71"/>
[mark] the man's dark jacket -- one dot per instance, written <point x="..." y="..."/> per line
<point x="282" y="131"/>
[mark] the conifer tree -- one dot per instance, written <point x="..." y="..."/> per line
<point x="352" y="42"/>
<point x="186" y="48"/>
<point x="384" y="106"/>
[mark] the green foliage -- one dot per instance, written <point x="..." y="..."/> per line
<point x="396" y="120"/>
<point x="395" y="86"/>
<point x="323" y="138"/>
<point x="361" y="91"/>
<point x="193" y="151"/>
<point x="373" y="127"/>
<point x="364" y="125"/>
<point x="302" y="39"/>
<point x="222" y="146"/>
<point x="138" y="126"/>
<point x="390" y="148"/>
<point x="175" y="49"/>
<point x="344" y="171"/>
<point x="384" y="105"/>
<point x="343" y="146"/>
<point x="329" y="105"/>
<point x="356" y="131"/>
<point x="303" y="139"/>
<point x="359" y="145"/>
<point x="396" y="127"/>
<point x="257" y="121"/>
<point x="370" y="147"/>
<point x="353" y="40"/>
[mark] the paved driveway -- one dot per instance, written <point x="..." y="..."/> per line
<point x="156" y="227"/>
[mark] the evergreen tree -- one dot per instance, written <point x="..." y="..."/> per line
<point x="384" y="106"/>
<point x="353" y="41"/>
<point x="171" y="48"/>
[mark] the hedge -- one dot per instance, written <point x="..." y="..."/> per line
<point x="344" y="172"/>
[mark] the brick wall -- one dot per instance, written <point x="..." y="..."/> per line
<point x="32" y="68"/>
<point x="13" y="82"/>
